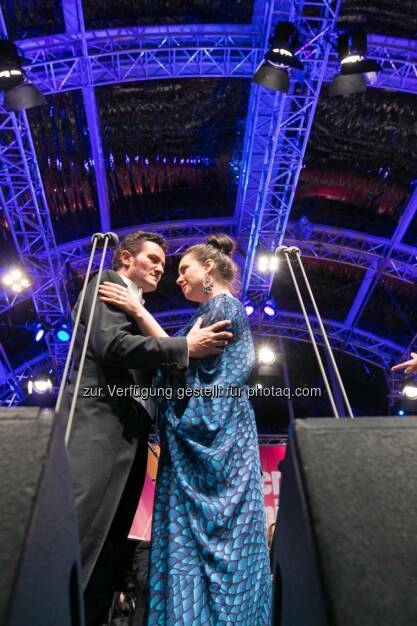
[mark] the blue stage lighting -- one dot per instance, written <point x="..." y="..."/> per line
<point x="63" y="333"/>
<point x="270" y="308"/>
<point x="39" y="332"/>
<point x="249" y="306"/>
<point x="42" y="383"/>
<point x="401" y="412"/>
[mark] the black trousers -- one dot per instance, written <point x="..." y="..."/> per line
<point x="117" y="553"/>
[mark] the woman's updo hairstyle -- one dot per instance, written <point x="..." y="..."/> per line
<point x="218" y="247"/>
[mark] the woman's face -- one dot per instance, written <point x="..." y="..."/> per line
<point x="191" y="278"/>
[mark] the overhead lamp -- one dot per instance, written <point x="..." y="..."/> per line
<point x="11" y="73"/>
<point x="16" y="280"/>
<point x="41" y="383"/>
<point x="24" y="96"/>
<point x="20" y="93"/>
<point x="270" y="307"/>
<point x="352" y="49"/>
<point x="273" y="71"/>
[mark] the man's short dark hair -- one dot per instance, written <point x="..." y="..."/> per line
<point x="133" y="243"/>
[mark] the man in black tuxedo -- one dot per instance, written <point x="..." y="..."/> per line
<point x="107" y="447"/>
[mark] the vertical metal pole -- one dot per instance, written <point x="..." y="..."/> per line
<point x="84" y="350"/>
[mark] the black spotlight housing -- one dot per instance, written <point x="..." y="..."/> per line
<point x="272" y="77"/>
<point x="24" y="96"/>
<point x="11" y="73"/>
<point x="347" y="85"/>
<point x="273" y="72"/>
<point x="352" y="48"/>
<point x="284" y="43"/>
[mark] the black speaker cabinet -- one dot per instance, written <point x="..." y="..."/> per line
<point x="345" y="552"/>
<point x="39" y="549"/>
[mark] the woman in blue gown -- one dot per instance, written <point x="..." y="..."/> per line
<point x="209" y="562"/>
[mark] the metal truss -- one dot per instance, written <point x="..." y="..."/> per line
<point x="9" y="375"/>
<point x="324" y="243"/>
<point x="13" y="386"/>
<point x="180" y="235"/>
<point x="118" y="55"/>
<point x="23" y="201"/>
<point x="273" y="440"/>
<point x="357" y="249"/>
<point x="289" y="325"/>
<point x="276" y="140"/>
<point x="57" y="63"/>
<point x="376" y="270"/>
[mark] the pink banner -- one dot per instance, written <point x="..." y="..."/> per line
<point x="142" y="523"/>
<point x="271" y="456"/>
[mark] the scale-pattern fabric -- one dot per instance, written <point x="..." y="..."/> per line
<point x="209" y="561"/>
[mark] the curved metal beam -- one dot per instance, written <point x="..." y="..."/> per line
<point x="142" y="53"/>
<point x="373" y="275"/>
<point x="180" y="235"/>
<point x="322" y="242"/>
<point x="355" y="248"/>
<point x="326" y="243"/>
<point x="125" y="54"/>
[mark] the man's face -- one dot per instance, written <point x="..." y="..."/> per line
<point x="146" y="268"/>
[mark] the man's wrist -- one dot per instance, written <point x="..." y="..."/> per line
<point x="139" y="312"/>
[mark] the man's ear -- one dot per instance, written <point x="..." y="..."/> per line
<point x="126" y="258"/>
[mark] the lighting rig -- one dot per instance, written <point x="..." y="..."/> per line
<point x="281" y="59"/>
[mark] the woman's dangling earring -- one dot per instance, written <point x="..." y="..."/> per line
<point x="208" y="284"/>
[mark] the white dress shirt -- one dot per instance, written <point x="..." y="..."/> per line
<point x="133" y="287"/>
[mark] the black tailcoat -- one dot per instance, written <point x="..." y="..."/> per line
<point x="108" y="433"/>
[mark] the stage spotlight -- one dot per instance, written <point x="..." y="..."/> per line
<point x="268" y="263"/>
<point x="63" y="333"/>
<point x="347" y="85"/>
<point x="270" y="307"/>
<point x="11" y="73"/>
<point x="39" y="331"/>
<point x="41" y="384"/>
<point x="401" y="412"/>
<point x="16" y="280"/>
<point x="410" y="390"/>
<point x="24" y="96"/>
<point x="273" y="71"/>
<point x="352" y="49"/>
<point x="20" y="93"/>
<point x="249" y="306"/>
<point x="272" y="77"/>
<point x="266" y="356"/>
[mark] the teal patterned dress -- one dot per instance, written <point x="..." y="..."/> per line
<point x="209" y="561"/>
